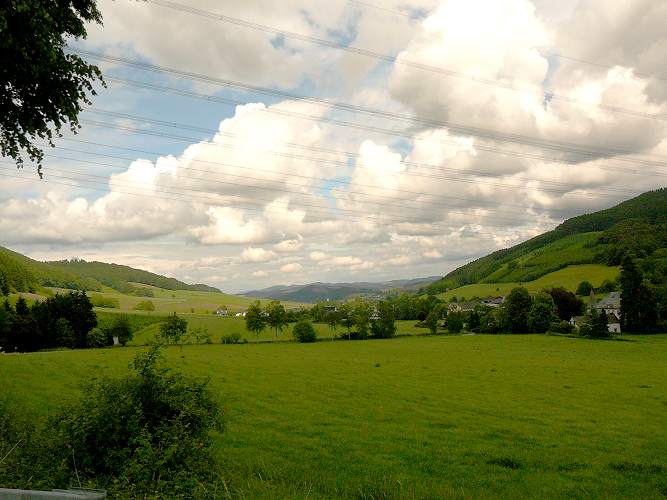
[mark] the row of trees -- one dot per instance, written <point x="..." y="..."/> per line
<point x="64" y="320"/>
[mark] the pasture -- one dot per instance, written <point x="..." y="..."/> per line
<point x="414" y="417"/>
<point x="568" y="277"/>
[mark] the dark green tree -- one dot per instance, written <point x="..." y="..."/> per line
<point x="584" y="289"/>
<point x="276" y="317"/>
<point x="174" y="329"/>
<point x="638" y="303"/>
<point x="517" y="306"/>
<point x="4" y="284"/>
<point x="122" y="330"/>
<point x="454" y="322"/>
<point x="346" y="317"/>
<point x="362" y="311"/>
<point x="42" y="88"/>
<point x="304" y="332"/>
<point x="567" y="303"/>
<point x="542" y="313"/>
<point x="432" y="321"/>
<point x="596" y="326"/>
<point x="384" y="327"/>
<point x="22" y="307"/>
<point x="255" y="320"/>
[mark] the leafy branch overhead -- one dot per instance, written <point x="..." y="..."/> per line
<point x="42" y="88"/>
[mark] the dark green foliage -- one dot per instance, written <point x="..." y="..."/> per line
<point x="76" y="309"/>
<point x="596" y="326"/>
<point x="4" y="284"/>
<point x="542" y="313"/>
<point x="174" y="329"/>
<point x="384" y="327"/>
<point x="99" y="337"/>
<point x="517" y="306"/>
<point x="42" y="88"/>
<point x="122" y="330"/>
<point x="255" y="320"/>
<point x="454" y="322"/>
<point x="145" y="434"/>
<point x="639" y="308"/>
<point x="232" y="338"/>
<point x="21" y="307"/>
<point x="303" y="332"/>
<point x="276" y="316"/>
<point x="561" y="327"/>
<point x="432" y="321"/>
<point x="584" y="289"/>
<point x="361" y="312"/>
<point x="606" y="287"/>
<point x="567" y="303"/>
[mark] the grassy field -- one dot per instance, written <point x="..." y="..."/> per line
<point x="424" y="417"/>
<point x="569" y="277"/>
<point x="180" y="301"/>
<point x="218" y="326"/>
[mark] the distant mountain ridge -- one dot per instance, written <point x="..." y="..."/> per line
<point x="316" y="292"/>
<point x="637" y="226"/>
<point x="23" y="274"/>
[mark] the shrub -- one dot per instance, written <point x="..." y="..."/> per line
<point x="122" y="330"/>
<point x="561" y="327"/>
<point x="145" y="305"/>
<point x="232" y="338"/>
<point x="303" y="331"/>
<point x="99" y="337"/>
<point x="174" y="328"/>
<point x="108" y="302"/>
<point x="147" y="434"/>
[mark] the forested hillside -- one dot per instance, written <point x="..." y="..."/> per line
<point x="22" y="274"/>
<point x="637" y="227"/>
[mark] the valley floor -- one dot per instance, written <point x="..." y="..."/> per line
<point x="421" y="417"/>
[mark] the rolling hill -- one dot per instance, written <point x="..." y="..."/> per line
<point x="636" y="227"/>
<point x="23" y="274"/>
<point x="316" y="292"/>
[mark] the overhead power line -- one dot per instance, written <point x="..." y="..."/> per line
<point x="482" y="133"/>
<point x="438" y="168"/>
<point x="396" y="59"/>
<point x="333" y="215"/>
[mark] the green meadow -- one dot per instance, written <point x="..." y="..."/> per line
<point x="568" y="277"/>
<point x="529" y="416"/>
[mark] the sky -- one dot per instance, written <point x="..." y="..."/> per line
<point x="249" y="144"/>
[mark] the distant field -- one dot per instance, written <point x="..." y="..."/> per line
<point x="569" y="277"/>
<point x="431" y="417"/>
<point x="181" y="301"/>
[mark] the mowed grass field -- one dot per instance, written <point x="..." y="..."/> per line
<point x="568" y="277"/>
<point x="417" y="417"/>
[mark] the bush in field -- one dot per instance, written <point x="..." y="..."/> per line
<point x="561" y="327"/>
<point x="147" y="434"/>
<point x="145" y="305"/>
<point x="303" y="331"/>
<point x="596" y="326"/>
<point x="232" y="338"/>
<point x="174" y="328"/>
<point x="99" y="337"/>
<point x="122" y="329"/>
<point x="108" y="302"/>
<point x="584" y="288"/>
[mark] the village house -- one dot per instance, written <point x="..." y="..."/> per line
<point x="493" y="301"/>
<point x="222" y="312"/>
<point x="610" y="304"/>
<point x="462" y="306"/>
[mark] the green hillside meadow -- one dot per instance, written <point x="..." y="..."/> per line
<point x="430" y="417"/>
<point x="569" y="278"/>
